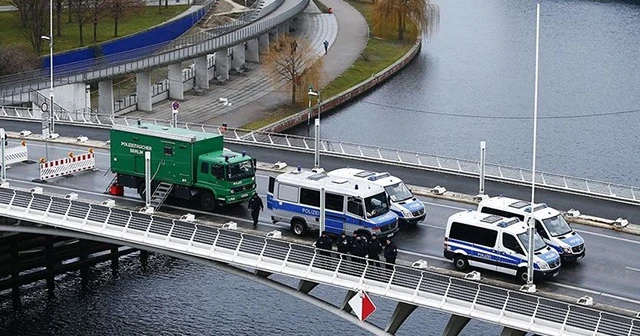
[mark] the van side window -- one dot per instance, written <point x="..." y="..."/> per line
<point x="354" y="206"/>
<point x="217" y="171"/>
<point x="472" y="234"/>
<point x="541" y="230"/>
<point x="510" y="242"/>
<point x="310" y="197"/>
<point x="272" y="182"/>
<point x="287" y="193"/>
<point x="204" y="168"/>
<point x="492" y="211"/>
<point x="334" y="202"/>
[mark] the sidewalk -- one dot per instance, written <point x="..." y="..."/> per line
<point x="252" y="95"/>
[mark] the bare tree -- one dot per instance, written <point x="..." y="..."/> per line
<point x="295" y="62"/>
<point x="37" y="23"/>
<point x="22" y="12"/>
<point x="79" y="9"/>
<point x="95" y="11"/>
<point x="120" y="9"/>
<point x="16" y="58"/>
<point x="59" y="5"/>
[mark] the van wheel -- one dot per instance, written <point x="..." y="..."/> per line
<point x="298" y="227"/>
<point x="460" y="263"/>
<point x="207" y="201"/>
<point x="522" y="275"/>
<point x="364" y="233"/>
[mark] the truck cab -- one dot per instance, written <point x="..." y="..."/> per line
<point x="230" y="175"/>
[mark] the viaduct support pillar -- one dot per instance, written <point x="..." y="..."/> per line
<point x="201" y="73"/>
<point x="238" y="60"/>
<point x="263" y="41"/>
<point x="176" y="86"/>
<point x="84" y="265"/>
<point x="222" y="64"/>
<point x="114" y="261"/>
<point x="15" y="273"/>
<point x="253" y="51"/>
<point x="506" y="331"/>
<point x="105" y="97"/>
<point x="51" y="285"/>
<point x="400" y="314"/>
<point x="144" y="259"/>
<point x="455" y="325"/>
<point x="143" y="91"/>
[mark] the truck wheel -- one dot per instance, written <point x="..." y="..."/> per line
<point x="522" y="275"/>
<point x="460" y="263"/>
<point x="298" y="227"/>
<point x="207" y="201"/>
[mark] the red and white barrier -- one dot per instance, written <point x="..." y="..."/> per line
<point x="67" y="166"/>
<point x="16" y="154"/>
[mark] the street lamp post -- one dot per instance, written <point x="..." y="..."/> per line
<point x="316" y="161"/>
<point x="50" y="39"/>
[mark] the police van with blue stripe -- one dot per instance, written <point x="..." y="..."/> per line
<point x="351" y="206"/>
<point x="409" y="209"/>
<point x="550" y="224"/>
<point x="496" y="243"/>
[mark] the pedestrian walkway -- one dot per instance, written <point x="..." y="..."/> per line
<point x="252" y="96"/>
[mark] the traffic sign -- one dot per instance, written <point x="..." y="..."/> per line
<point x="362" y="305"/>
<point x="44" y="107"/>
<point x="175" y="105"/>
<point x="45" y="124"/>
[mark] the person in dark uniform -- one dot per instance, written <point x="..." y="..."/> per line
<point x="359" y="249"/>
<point x="255" y="205"/>
<point x="390" y="253"/>
<point x="344" y="245"/>
<point x="324" y="244"/>
<point x="374" y="249"/>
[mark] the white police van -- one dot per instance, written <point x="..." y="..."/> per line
<point x="550" y="224"/>
<point x="409" y="209"/>
<point x="496" y="243"/>
<point x="350" y="205"/>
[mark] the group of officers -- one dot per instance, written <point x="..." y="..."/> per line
<point x="360" y="248"/>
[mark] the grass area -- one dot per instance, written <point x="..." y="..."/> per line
<point x="376" y="56"/>
<point x="321" y="6"/>
<point x="70" y="39"/>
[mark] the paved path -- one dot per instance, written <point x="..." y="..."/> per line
<point x="252" y="95"/>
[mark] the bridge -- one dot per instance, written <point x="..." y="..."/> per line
<point x="231" y="45"/>
<point x="412" y="287"/>
<point x="335" y="268"/>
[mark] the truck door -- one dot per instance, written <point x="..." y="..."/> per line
<point x="355" y="213"/>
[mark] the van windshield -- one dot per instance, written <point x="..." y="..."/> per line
<point x="557" y="226"/>
<point x="398" y="192"/>
<point x="538" y="243"/>
<point x="240" y="170"/>
<point x="376" y="205"/>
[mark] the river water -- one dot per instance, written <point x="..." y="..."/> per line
<point x="472" y="81"/>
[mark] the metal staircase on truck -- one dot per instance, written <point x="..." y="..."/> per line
<point x="160" y="194"/>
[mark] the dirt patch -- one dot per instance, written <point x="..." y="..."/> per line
<point x="214" y="21"/>
<point x="222" y="7"/>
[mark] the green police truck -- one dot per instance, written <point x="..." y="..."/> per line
<point x="185" y="164"/>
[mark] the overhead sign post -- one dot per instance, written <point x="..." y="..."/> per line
<point x="174" y="113"/>
<point x="362" y="305"/>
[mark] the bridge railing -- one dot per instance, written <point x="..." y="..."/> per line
<point x="421" y="287"/>
<point x="551" y="181"/>
<point x="207" y="45"/>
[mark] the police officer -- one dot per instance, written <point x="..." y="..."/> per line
<point x="390" y="253"/>
<point x="374" y="249"/>
<point x="344" y="245"/>
<point x="324" y="244"/>
<point x="359" y="249"/>
<point x="255" y="205"/>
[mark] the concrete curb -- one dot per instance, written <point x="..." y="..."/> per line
<point x="434" y="192"/>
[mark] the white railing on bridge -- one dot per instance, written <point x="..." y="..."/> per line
<point x="551" y="181"/>
<point x="420" y="287"/>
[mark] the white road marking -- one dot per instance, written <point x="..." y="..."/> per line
<point x="633" y="269"/>
<point x="607" y="236"/>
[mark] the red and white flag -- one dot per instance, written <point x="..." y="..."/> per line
<point x="362" y="305"/>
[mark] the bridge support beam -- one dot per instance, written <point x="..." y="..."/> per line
<point x="176" y="86"/>
<point x="455" y="325"/>
<point x="345" y="303"/>
<point x="105" y="97"/>
<point x="15" y="274"/>
<point x="83" y="254"/>
<point x="506" y="331"/>
<point x="238" y="59"/>
<point x="144" y="259"/>
<point x="114" y="261"/>
<point x="253" y="52"/>
<point x="48" y="250"/>
<point x="143" y="91"/>
<point x="284" y="28"/>
<point x="222" y="64"/>
<point x="263" y="41"/>
<point x="262" y="274"/>
<point x="306" y="286"/>
<point x="400" y="314"/>
<point x="201" y="72"/>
